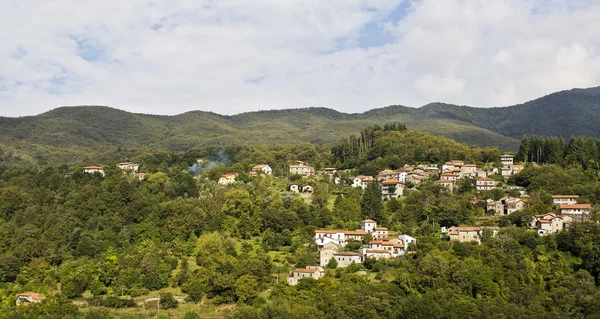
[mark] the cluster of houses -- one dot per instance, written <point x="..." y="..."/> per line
<point x="506" y="205"/>
<point x="331" y="242"/>
<point x="469" y="233"/>
<point x="126" y="167"/>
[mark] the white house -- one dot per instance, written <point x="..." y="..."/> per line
<point x="407" y="240"/>
<point x="549" y="223"/>
<point x="266" y="169"/>
<point x="227" y="178"/>
<point x="94" y="169"/>
<point x="314" y="272"/>
<point x="564" y="199"/>
<point x="128" y="166"/>
<point x="362" y="181"/>
<point x="506" y="159"/>
<point x="368" y="225"/>
<point x="485" y="184"/>
<point x="377" y="254"/>
<point x="468" y="169"/>
<point x="295" y="188"/>
<point x="325" y="236"/>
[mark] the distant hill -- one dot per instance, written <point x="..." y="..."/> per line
<point x="72" y="133"/>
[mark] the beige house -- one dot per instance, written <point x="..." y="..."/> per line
<point x="377" y="254"/>
<point x="449" y="185"/>
<point x="356" y="235"/>
<point x="512" y="205"/>
<point x="345" y="259"/>
<point x="264" y="168"/>
<point x="302" y="169"/>
<point x="496" y="205"/>
<point x="549" y="223"/>
<point x="449" y="177"/>
<point x="564" y="199"/>
<point x="227" y="178"/>
<point x="326" y="254"/>
<point x="468" y="169"/>
<point x="576" y="211"/>
<point x="485" y="184"/>
<point x="391" y="188"/>
<point x="29" y="297"/>
<point x="469" y="234"/>
<point x="314" y="272"/>
<point x="94" y="169"/>
<point x="379" y="232"/>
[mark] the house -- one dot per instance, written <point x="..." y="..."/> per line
<point x="496" y="205"/>
<point x="407" y="240"/>
<point x="295" y="188"/>
<point x="449" y="177"/>
<point x="391" y="188"/>
<point x="302" y="169"/>
<point x="345" y="259"/>
<point x="468" y="169"/>
<point x="576" y="211"/>
<point x="314" y="272"/>
<point x="140" y="176"/>
<point x="227" y="178"/>
<point x="564" y="199"/>
<point x="379" y="232"/>
<point x="481" y="173"/>
<point x="325" y="254"/>
<point x="200" y="160"/>
<point x="385" y="175"/>
<point x="516" y="169"/>
<point x="485" y="184"/>
<point x="506" y="172"/>
<point x="512" y="205"/>
<point x="368" y="225"/>
<point x="330" y="171"/>
<point x="128" y="166"/>
<point x="469" y="234"/>
<point x="357" y="235"/>
<point x="377" y="254"/>
<point x="362" y="181"/>
<point x="506" y="160"/>
<point x="457" y="163"/>
<point x="94" y="169"/>
<point x="325" y="236"/>
<point x="264" y="168"/>
<point x="29" y="297"/>
<point x="448" y="184"/>
<point x="550" y="223"/>
<point x="391" y="245"/>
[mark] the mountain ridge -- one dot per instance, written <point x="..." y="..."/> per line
<point x="85" y="129"/>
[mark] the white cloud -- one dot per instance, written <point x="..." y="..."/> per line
<point x="167" y="57"/>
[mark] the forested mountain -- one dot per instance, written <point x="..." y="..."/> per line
<point x="82" y="131"/>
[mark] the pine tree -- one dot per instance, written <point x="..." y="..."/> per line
<point x="371" y="204"/>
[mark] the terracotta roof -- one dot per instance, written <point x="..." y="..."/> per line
<point x="305" y="270"/>
<point x="445" y="181"/>
<point x="32" y="295"/>
<point x="329" y="231"/>
<point x="375" y="242"/>
<point x="576" y="206"/>
<point x="565" y="196"/>
<point x="399" y="245"/>
<point x="344" y="253"/>
<point x="377" y="251"/>
<point x="545" y="221"/>
<point x="259" y="166"/>
<point x="390" y="182"/>
<point x="457" y="161"/>
<point x="469" y="165"/>
<point x="300" y="166"/>
<point x="368" y="221"/>
<point x="330" y="169"/>
<point x="484" y="179"/>
<point x="253" y="173"/>
<point x="380" y="228"/>
<point x="467" y="228"/>
<point x="507" y="155"/>
<point x="454" y="232"/>
<point x="93" y="167"/>
<point x="446" y="174"/>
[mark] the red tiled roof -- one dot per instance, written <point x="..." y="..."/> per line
<point x="355" y="232"/>
<point x="368" y="221"/>
<point x="390" y="182"/>
<point x="377" y="251"/>
<point x="380" y="228"/>
<point x="305" y="270"/>
<point x="93" y="167"/>
<point x="32" y="295"/>
<point x="344" y="253"/>
<point x="565" y="196"/>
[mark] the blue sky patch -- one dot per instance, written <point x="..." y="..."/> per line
<point x="374" y="35"/>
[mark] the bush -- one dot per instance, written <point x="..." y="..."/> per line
<point x="111" y="302"/>
<point x="167" y="301"/>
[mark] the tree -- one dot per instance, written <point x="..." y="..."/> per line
<point x="332" y="264"/>
<point x="371" y="203"/>
<point x="246" y="288"/>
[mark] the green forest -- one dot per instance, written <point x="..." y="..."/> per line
<point x="179" y="244"/>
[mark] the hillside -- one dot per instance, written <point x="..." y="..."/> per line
<point x="73" y="133"/>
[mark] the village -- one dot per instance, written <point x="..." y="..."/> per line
<point x="374" y="242"/>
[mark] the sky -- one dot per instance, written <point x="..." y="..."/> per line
<point x="233" y="56"/>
